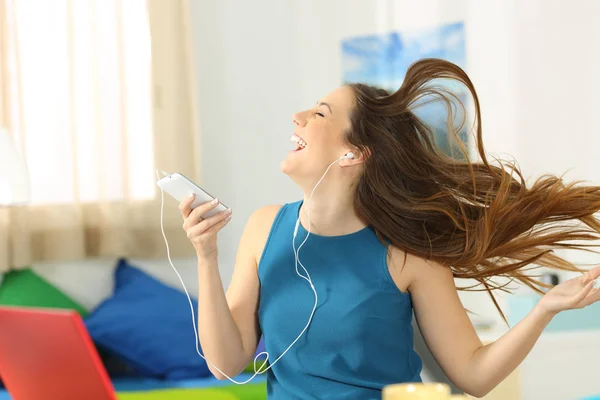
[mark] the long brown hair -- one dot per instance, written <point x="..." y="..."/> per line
<point x="478" y="218"/>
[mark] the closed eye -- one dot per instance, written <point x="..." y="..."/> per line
<point x="320" y="114"/>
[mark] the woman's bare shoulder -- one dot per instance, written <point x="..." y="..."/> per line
<point x="259" y="225"/>
<point x="406" y="268"/>
<point x="266" y="214"/>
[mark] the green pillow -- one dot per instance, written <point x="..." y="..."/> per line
<point x="178" y="394"/>
<point x="257" y="391"/>
<point x="28" y="289"/>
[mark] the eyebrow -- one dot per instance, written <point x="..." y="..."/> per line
<point x="326" y="105"/>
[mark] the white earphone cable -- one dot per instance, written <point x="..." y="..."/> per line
<point x="260" y="370"/>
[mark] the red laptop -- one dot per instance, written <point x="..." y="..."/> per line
<point x="47" y="354"/>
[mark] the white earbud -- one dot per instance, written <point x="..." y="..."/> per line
<point x="349" y="155"/>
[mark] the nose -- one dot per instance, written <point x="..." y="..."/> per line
<point x="299" y="119"/>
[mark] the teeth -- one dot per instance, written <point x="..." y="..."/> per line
<point x="301" y="142"/>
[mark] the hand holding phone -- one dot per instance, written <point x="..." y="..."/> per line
<point x="180" y="187"/>
<point x="204" y="216"/>
<point x="201" y="231"/>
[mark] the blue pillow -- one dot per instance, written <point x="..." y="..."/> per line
<point x="148" y="325"/>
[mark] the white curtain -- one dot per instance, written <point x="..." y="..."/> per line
<point x="96" y="94"/>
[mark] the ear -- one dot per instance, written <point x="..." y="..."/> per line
<point x="359" y="158"/>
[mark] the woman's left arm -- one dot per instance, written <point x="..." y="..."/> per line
<point x="453" y="341"/>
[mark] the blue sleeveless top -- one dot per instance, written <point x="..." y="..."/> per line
<point x="360" y="338"/>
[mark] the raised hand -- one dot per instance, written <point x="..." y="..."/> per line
<point x="203" y="232"/>
<point x="572" y="294"/>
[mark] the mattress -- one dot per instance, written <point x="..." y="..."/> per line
<point x="196" y="389"/>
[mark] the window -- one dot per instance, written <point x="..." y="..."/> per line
<point x="79" y="98"/>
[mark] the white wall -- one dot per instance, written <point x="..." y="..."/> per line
<point x="558" y="102"/>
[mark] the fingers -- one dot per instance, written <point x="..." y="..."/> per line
<point x="194" y="216"/>
<point x="592" y="297"/>
<point x="218" y="226"/>
<point x="185" y="206"/>
<point x="210" y="225"/>
<point x="590" y="275"/>
<point x="202" y="209"/>
<point x="593" y="273"/>
<point x="577" y="301"/>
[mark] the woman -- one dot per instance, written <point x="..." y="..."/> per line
<point x="391" y="227"/>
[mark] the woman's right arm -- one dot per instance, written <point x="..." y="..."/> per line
<point x="227" y="323"/>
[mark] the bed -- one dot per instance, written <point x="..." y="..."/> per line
<point x="141" y="322"/>
<point x="196" y="389"/>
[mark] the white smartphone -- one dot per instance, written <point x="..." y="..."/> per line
<point x="180" y="187"/>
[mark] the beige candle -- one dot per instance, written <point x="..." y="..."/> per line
<point x="416" y="391"/>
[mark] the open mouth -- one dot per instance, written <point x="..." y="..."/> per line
<point x="299" y="142"/>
